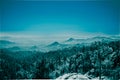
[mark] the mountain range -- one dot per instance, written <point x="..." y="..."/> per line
<point x="55" y="45"/>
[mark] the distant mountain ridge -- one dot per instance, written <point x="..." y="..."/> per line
<point x="6" y="42"/>
<point x="89" y="40"/>
<point x="55" y="45"/>
<point x="70" y="39"/>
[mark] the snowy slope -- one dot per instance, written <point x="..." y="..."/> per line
<point x="72" y="76"/>
<point x="78" y="76"/>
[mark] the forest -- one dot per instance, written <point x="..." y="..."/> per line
<point x="100" y="58"/>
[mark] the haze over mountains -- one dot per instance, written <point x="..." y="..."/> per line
<point x="37" y="44"/>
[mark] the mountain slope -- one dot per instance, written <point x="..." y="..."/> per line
<point x="5" y="42"/>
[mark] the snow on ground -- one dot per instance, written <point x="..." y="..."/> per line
<point x="78" y="76"/>
<point x="72" y="76"/>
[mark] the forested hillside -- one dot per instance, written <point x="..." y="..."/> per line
<point x="100" y="58"/>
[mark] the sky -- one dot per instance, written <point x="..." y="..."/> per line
<point x="57" y="17"/>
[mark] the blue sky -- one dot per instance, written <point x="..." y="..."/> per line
<point x="52" y="17"/>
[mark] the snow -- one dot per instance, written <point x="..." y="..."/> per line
<point x="72" y="76"/>
<point x="102" y="77"/>
<point x="78" y="76"/>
